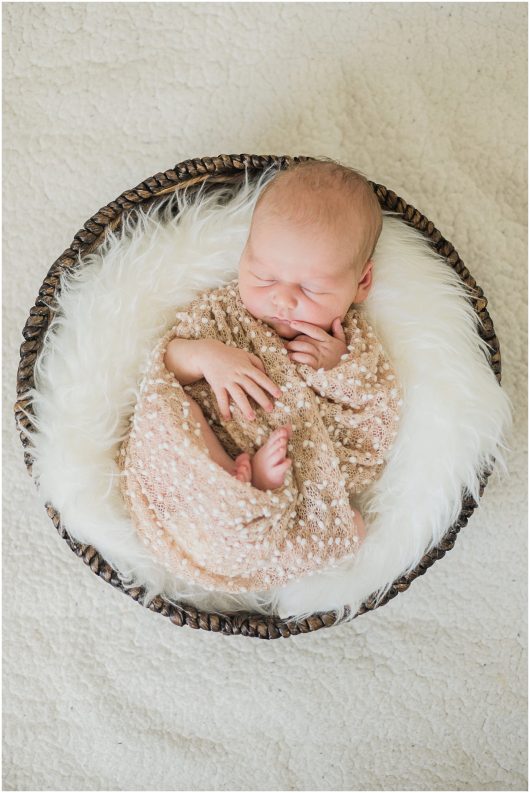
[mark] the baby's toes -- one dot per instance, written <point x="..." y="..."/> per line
<point x="243" y="467"/>
<point x="278" y="434"/>
<point x="278" y="452"/>
<point x="282" y="468"/>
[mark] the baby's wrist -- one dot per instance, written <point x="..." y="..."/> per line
<point x="346" y="356"/>
<point x="206" y="348"/>
<point x="186" y="358"/>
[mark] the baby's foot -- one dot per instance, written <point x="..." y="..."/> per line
<point x="270" y="463"/>
<point x="242" y="467"/>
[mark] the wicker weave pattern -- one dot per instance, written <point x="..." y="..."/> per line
<point x="222" y="169"/>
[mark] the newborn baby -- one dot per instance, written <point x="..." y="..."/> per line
<point x="306" y="260"/>
<point x="286" y="334"/>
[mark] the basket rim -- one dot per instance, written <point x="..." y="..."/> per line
<point x="220" y="170"/>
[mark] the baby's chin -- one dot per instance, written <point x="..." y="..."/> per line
<point x="282" y="329"/>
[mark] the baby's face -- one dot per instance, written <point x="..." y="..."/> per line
<point x="288" y="274"/>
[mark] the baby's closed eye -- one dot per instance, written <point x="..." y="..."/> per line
<point x="266" y="282"/>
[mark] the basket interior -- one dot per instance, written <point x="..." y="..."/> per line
<point x="223" y="170"/>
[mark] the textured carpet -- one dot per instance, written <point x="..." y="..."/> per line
<point x="426" y="693"/>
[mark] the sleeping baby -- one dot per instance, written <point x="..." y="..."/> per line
<point x="278" y="361"/>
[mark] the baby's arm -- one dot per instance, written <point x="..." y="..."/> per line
<point x="230" y="372"/>
<point x="184" y="358"/>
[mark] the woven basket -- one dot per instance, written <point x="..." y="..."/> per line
<point x="218" y="171"/>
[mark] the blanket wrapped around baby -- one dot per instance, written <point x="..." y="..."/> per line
<point x="205" y="525"/>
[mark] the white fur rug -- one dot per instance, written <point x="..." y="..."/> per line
<point x="116" y="305"/>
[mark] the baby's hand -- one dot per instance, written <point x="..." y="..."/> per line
<point x="234" y="373"/>
<point x="317" y="348"/>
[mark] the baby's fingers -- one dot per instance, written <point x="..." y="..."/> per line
<point x="299" y="357"/>
<point x="238" y="395"/>
<point x="296" y="345"/>
<point x="265" y="382"/>
<point x="257" y="393"/>
<point x="223" y="402"/>
<point x="257" y="361"/>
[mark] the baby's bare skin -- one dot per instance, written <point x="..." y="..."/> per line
<point x="233" y="368"/>
<point x="265" y="470"/>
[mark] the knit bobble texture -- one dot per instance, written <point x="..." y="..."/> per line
<point x="204" y="524"/>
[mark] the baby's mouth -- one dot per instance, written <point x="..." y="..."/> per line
<point x="283" y="329"/>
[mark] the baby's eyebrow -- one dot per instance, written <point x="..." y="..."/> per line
<point x="314" y="278"/>
<point x="307" y="280"/>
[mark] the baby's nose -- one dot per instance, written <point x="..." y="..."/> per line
<point x="283" y="298"/>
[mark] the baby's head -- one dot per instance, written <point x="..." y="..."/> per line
<point x="309" y="251"/>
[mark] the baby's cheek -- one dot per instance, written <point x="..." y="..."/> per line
<point x="251" y="306"/>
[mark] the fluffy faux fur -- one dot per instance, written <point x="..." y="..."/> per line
<point x="113" y="308"/>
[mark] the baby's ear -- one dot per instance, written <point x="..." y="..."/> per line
<point x="367" y="269"/>
<point x="365" y="283"/>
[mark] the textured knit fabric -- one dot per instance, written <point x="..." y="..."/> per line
<point x="223" y="534"/>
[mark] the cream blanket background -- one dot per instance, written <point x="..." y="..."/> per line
<point x="426" y="692"/>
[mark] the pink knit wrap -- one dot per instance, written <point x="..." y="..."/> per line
<point x="204" y="524"/>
